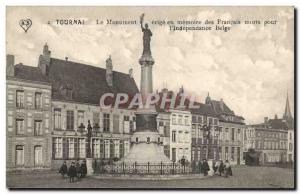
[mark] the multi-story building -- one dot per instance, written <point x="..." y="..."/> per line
<point x="174" y="125"/>
<point x="205" y="133"/>
<point x="231" y="131"/>
<point x="28" y="110"/>
<point x="49" y="107"/>
<point x="268" y="138"/>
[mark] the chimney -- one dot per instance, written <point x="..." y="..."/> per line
<point x="109" y="71"/>
<point x="44" y="60"/>
<point x="10" y="65"/>
<point x="266" y="119"/>
<point x="130" y="73"/>
<point x="66" y="58"/>
<point x="275" y="117"/>
<point x="222" y="104"/>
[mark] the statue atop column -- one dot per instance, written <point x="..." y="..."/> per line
<point x="146" y="37"/>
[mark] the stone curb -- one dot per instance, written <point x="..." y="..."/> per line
<point x="148" y="177"/>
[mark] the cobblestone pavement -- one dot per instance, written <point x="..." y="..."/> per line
<point x="243" y="177"/>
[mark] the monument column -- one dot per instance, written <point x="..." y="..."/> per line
<point x="147" y="145"/>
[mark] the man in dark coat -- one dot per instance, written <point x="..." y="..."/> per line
<point x="63" y="169"/>
<point x="72" y="172"/>
<point x="205" y="167"/>
<point x="221" y="168"/>
<point x="78" y="169"/>
<point x="83" y="169"/>
<point x="228" y="171"/>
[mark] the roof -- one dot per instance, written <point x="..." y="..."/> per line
<point x="277" y="124"/>
<point x="29" y="73"/>
<point x="217" y="105"/>
<point x="205" y="109"/>
<point x="87" y="83"/>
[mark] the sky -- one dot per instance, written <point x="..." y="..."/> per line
<point x="251" y="67"/>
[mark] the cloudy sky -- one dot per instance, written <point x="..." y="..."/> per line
<point x="251" y="67"/>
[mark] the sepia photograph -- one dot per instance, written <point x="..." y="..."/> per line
<point x="150" y="97"/>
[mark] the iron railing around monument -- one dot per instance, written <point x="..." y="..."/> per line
<point x="100" y="167"/>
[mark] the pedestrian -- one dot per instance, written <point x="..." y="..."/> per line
<point x="205" y="167"/>
<point x="182" y="161"/>
<point x="200" y="167"/>
<point x="216" y="166"/>
<point x="228" y="171"/>
<point x="78" y="169"/>
<point x="221" y="168"/>
<point x="72" y="172"/>
<point x="83" y="169"/>
<point x="63" y="169"/>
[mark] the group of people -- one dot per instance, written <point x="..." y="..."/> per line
<point x="219" y="167"/>
<point x="76" y="169"/>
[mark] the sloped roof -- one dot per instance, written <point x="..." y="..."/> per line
<point x="29" y="73"/>
<point x="277" y="124"/>
<point x="205" y="109"/>
<point x="88" y="83"/>
<point x="218" y="108"/>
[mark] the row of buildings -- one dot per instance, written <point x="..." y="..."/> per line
<point x="49" y="106"/>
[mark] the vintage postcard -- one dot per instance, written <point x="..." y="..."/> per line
<point x="150" y="97"/>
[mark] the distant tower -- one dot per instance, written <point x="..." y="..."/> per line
<point x="109" y="71"/>
<point x="287" y="114"/>
<point x="207" y="99"/>
<point x="44" y="60"/>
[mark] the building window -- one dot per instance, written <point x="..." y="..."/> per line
<point x="20" y="99"/>
<point x="160" y="124"/>
<point x="180" y="120"/>
<point x="126" y="147"/>
<point x="173" y="136"/>
<point x="187" y="138"/>
<point x="210" y="121"/>
<point x="70" y="120"/>
<point x="71" y="147"/>
<point x="174" y="119"/>
<point x="194" y="119"/>
<point x="239" y="135"/>
<point x="106" y="122"/>
<point x="186" y="120"/>
<point x="200" y="119"/>
<point x="226" y="153"/>
<point x="38" y="156"/>
<point x="106" y="148"/>
<point x="290" y="146"/>
<point x="226" y="134"/>
<point x="20" y="127"/>
<point x="57" y="118"/>
<point x="180" y="134"/>
<point x="174" y="154"/>
<point x="117" y="148"/>
<point x="199" y="154"/>
<point x="232" y="134"/>
<point x="19" y="155"/>
<point x="215" y="121"/>
<point x="82" y="148"/>
<point x="58" y="147"/>
<point x="126" y="118"/>
<point x="232" y="153"/>
<point x="37" y="128"/>
<point x="96" y="148"/>
<point x="38" y="100"/>
<point x="80" y="117"/>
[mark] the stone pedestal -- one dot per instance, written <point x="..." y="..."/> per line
<point x="89" y="166"/>
<point x="146" y="148"/>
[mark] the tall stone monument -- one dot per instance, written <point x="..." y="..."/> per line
<point x="147" y="144"/>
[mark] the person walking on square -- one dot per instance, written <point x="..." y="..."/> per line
<point x="216" y="166"/>
<point x="221" y="168"/>
<point x="63" y="169"/>
<point x="205" y="167"/>
<point x="72" y="172"/>
<point x="228" y="171"/>
<point x="78" y="169"/>
<point x="83" y="169"/>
